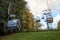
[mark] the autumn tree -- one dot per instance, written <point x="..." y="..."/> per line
<point x="58" y="25"/>
<point x="37" y="25"/>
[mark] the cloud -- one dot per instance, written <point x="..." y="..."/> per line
<point x="39" y="5"/>
<point x="56" y="20"/>
<point x="36" y="5"/>
<point x="53" y="4"/>
<point x="44" y="26"/>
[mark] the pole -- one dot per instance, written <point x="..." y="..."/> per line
<point x="47" y="22"/>
<point x="48" y="9"/>
<point x="9" y="9"/>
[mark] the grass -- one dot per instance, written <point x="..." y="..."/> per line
<point x="32" y="36"/>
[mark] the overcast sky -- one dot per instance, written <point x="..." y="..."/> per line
<point x="37" y="6"/>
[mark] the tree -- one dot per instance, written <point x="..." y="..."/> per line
<point x="19" y="8"/>
<point x="37" y="25"/>
<point x="28" y="20"/>
<point x="58" y="25"/>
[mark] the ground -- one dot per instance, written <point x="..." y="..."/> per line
<point x="54" y="35"/>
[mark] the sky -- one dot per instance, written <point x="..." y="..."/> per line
<point x="37" y="7"/>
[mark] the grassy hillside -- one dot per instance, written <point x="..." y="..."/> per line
<point x="32" y="36"/>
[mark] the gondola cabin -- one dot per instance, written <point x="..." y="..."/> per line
<point x="13" y="24"/>
<point x="50" y="20"/>
<point x="37" y="20"/>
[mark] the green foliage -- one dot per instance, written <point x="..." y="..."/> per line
<point x="58" y="25"/>
<point x="37" y="25"/>
<point x="19" y="8"/>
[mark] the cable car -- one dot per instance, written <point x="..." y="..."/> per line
<point x="37" y="20"/>
<point x="44" y="13"/>
<point x="50" y="20"/>
<point x="13" y="24"/>
<point x="49" y="15"/>
<point x="42" y="17"/>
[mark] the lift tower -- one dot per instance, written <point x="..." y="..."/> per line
<point x="49" y="18"/>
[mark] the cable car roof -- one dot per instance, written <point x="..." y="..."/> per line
<point x="12" y="15"/>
